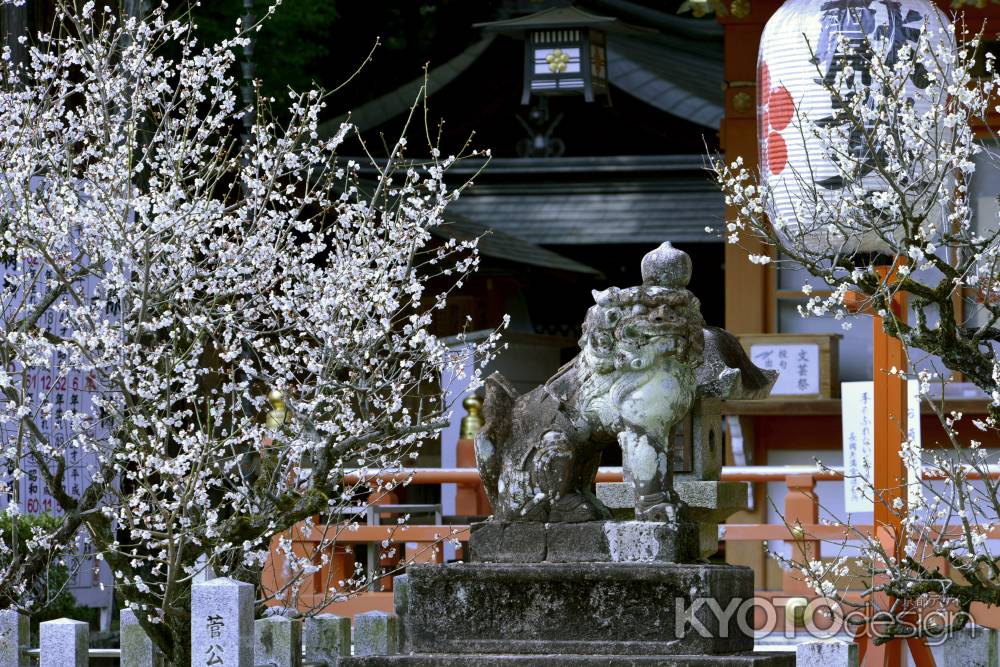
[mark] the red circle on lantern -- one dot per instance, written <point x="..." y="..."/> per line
<point x="777" y="153"/>
<point x="780" y="108"/>
<point x="763" y="82"/>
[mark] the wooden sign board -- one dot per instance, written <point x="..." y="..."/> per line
<point x="807" y="363"/>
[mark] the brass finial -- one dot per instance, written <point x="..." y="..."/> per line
<point x="795" y="612"/>
<point x="278" y="413"/>
<point x="472" y="422"/>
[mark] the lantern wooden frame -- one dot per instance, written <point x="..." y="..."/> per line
<point x="591" y="78"/>
<point x="563" y="28"/>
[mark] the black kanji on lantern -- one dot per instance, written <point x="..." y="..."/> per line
<point x="849" y="29"/>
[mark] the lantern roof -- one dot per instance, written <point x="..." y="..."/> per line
<point x="554" y="19"/>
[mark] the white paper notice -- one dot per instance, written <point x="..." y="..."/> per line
<point x="857" y="428"/>
<point x="797" y="365"/>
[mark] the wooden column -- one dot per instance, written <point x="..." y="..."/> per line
<point x="889" y="470"/>
<point x="749" y="288"/>
<point x="388" y="557"/>
<point x="890" y="424"/>
<point x="470" y="499"/>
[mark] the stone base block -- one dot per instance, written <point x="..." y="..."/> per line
<point x="604" y="609"/>
<point x="587" y="542"/>
<point x="547" y="660"/>
<point x="710" y="502"/>
<point x="972" y="646"/>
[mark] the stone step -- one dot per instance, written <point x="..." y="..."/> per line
<point x="548" y="660"/>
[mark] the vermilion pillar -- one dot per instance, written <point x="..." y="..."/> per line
<point x="890" y="429"/>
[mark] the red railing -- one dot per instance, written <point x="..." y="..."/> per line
<point x="422" y="543"/>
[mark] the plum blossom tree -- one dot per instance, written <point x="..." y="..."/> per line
<point x="202" y="335"/>
<point x="907" y="157"/>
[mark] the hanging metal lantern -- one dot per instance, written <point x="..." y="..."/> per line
<point x="804" y="47"/>
<point x="565" y="51"/>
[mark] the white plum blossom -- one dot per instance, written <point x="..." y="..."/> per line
<point x="253" y="318"/>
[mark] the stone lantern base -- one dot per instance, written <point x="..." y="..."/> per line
<point x="590" y="613"/>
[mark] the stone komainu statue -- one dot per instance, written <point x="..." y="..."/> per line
<point x="645" y="357"/>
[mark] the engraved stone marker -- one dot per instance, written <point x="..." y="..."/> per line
<point x="375" y="633"/>
<point x="828" y="653"/>
<point x="222" y="624"/>
<point x="327" y="637"/>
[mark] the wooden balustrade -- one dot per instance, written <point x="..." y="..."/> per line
<point x="801" y="510"/>
<point x="423" y="543"/>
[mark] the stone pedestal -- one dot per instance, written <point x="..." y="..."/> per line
<point x="594" y="613"/>
<point x="573" y="608"/>
<point x="708" y="503"/>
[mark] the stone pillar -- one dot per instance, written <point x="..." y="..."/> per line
<point x="14" y="636"/>
<point x="826" y="653"/>
<point x="376" y="633"/>
<point x="137" y="647"/>
<point x="400" y="603"/>
<point x="64" y="643"/>
<point x="222" y="629"/>
<point x="278" y="641"/>
<point x="205" y="571"/>
<point x="327" y="638"/>
<point x="972" y="646"/>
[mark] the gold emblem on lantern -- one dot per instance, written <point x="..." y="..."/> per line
<point x="597" y="58"/>
<point x="557" y="61"/>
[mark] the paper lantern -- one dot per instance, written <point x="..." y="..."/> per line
<point x="803" y="45"/>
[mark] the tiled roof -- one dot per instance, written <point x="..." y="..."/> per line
<point x="500" y="245"/>
<point x="641" y="203"/>
<point x="675" y="74"/>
